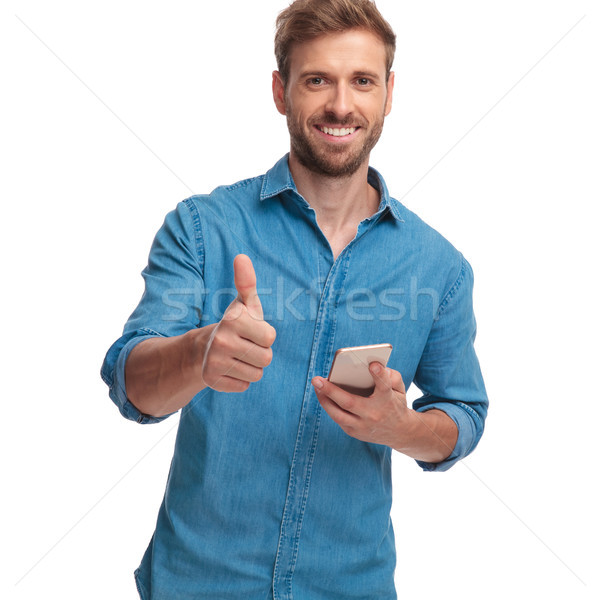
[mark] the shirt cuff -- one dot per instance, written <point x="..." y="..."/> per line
<point x="113" y="374"/>
<point x="467" y="433"/>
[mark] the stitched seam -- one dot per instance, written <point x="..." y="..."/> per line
<point x="138" y="584"/>
<point x="276" y="192"/>
<point x="313" y="448"/>
<point x="312" y="452"/>
<point x="243" y="183"/>
<point x="455" y="287"/>
<point x="198" y="236"/>
<point x="149" y="331"/>
<point x="287" y="577"/>
<point x="474" y="419"/>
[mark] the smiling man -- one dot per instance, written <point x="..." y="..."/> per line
<point x="280" y="484"/>
<point x="335" y="101"/>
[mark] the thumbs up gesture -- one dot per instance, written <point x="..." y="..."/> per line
<point x="239" y="347"/>
<point x="244" y="278"/>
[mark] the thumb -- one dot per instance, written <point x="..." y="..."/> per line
<point x="244" y="278"/>
<point x="381" y="376"/>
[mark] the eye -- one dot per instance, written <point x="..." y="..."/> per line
<point x="363" y="81"/>
<point x="316" y="81"/>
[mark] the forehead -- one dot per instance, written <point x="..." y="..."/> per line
<point x="353" y="50"/>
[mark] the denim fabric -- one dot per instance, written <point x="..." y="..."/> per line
<point x="267" y="497"/>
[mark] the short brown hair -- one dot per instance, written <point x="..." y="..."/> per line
<point x="305" y="20"/>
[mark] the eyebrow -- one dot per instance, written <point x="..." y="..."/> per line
<point x="323" y="74"/>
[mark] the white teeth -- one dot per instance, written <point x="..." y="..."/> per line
<point x="338" y="132"/>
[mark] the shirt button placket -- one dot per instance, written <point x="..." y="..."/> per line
<point x="305" y="447"/>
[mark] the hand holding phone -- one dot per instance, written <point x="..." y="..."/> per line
<point x="350" y="368"/>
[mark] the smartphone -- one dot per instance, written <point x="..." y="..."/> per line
<point x="350" y="368"/>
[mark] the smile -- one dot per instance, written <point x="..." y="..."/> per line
<point x="337" y="132"/>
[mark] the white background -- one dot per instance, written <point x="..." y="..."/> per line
<point x="111" y="112"/>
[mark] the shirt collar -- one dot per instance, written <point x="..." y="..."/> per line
<point x="279" y="179"/>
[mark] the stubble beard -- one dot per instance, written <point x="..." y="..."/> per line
<point x="332" y="160"/>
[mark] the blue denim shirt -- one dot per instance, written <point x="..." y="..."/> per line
<point x="267" y="497"/>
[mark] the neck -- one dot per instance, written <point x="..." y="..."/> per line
<point x="340" y="203"/>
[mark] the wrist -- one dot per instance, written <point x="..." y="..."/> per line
<point x="196" y="344"/>
<point x="411" y="432"/>
<point x="430" y="436"/>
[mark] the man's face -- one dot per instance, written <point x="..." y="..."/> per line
<point x="335" y="100"/>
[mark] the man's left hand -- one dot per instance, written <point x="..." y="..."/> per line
<point x="384" y="417"/>
<point x="381" y="418"/>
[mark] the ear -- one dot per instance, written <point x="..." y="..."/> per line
<point x="279" y="92"/>
<point x="390" y="90"/>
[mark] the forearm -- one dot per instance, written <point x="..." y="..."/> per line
<point x="162" y="374"/>
<point x="433" y="435"/>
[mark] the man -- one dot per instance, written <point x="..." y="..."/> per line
<point x="280" y="485"/>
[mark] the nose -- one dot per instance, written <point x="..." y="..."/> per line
<point x="340" y="101"/>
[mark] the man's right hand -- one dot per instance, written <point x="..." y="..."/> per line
<point x="163" y="374"/>
<point x="239" y="347"/>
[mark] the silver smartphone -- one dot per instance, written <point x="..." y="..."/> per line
<point x="350" y="368"/>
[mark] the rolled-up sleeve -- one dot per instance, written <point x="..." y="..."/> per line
<point x="449" y="374"/>
<point x="170" y="305"/>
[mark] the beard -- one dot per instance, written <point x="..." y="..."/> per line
<point x="332" y="160"/>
